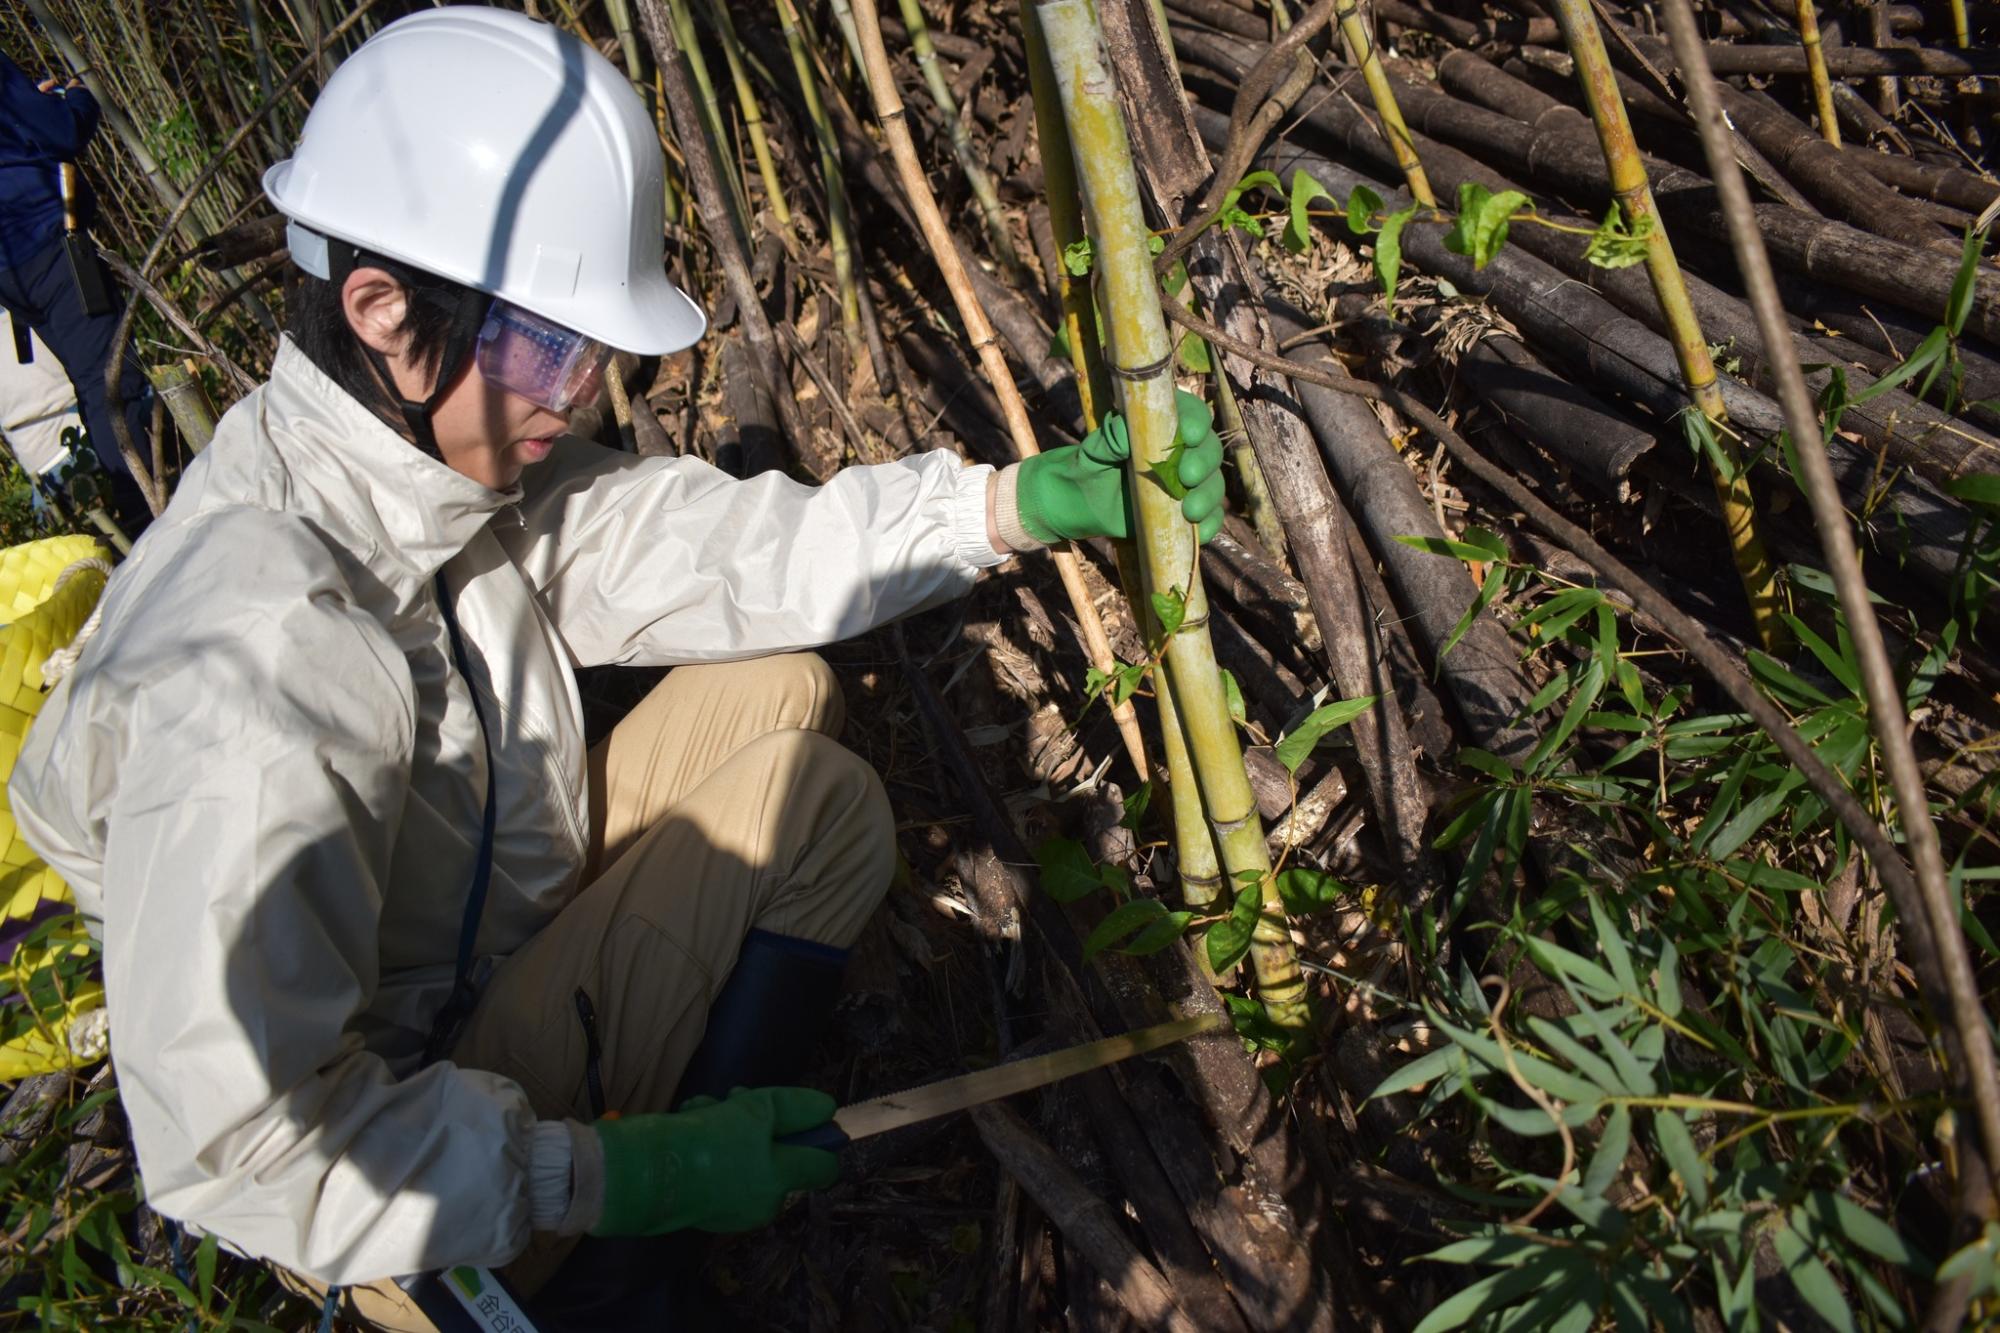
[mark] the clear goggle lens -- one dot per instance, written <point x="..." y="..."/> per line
<point x="540" y="360"/>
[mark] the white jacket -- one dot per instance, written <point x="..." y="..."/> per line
<point x="264" y="782"/>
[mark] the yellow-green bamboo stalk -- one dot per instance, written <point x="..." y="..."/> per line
<point x="1065" y="220"/>
<point x="889" y="112"/>
<point x="711" y="114"/>
<point x="839" y="221"/>
<point x="961" y="138"/>
<point x="753" y="113"/>
<point x="1361" y="50"/>
<point x="1822" y="90"/>
<point x="843" y="15"/>
<point x="1196" y="854"/>
<point x="628" y="41"/>
<point x="1961" y="31"/>
<point x="1142" y="354"/>
<point x="1635" y="198"/>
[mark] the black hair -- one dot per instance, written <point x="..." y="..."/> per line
<point x="316" y="319"/>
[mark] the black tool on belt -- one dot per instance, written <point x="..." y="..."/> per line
<point x="85" y="268"/>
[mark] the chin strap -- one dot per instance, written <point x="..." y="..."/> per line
<point x="468" y="314"/>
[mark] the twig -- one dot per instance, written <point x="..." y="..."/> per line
<point x="1961" y="1015"/>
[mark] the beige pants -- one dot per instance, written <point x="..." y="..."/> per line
<point x="719" y="804"/>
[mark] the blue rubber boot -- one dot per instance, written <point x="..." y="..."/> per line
<point x="762" y="1030"/>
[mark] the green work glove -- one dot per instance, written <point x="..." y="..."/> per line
<point x="1079" y="490"/>
<point x="711" y="1166"/>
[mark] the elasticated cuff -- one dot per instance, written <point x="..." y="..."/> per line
<point x="968" y="520"/>
<point x="565" y="1178"/>
<point x="1007" y="511"/>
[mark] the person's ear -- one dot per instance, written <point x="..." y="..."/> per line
<point x="375" y="305"/>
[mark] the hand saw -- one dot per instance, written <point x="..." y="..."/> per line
<point x="881" y="1114"/>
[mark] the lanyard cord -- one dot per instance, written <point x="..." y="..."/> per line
<point x="444" y="1029"/>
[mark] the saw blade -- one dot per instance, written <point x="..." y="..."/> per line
<point x="880" y="1114"/>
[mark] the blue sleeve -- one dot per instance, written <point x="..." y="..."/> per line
<point x="58" y="126"/>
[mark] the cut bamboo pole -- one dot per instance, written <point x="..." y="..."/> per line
<point x="1960" y="1010"/>
<point x="1142" y="358"/>
<point x="1635" y="199"/>
<point x="1361" y="50"/>
<point x="979" y="329"/>
<point x="962" y="146"/>
<point x="1822" y="89"/>
<point x="839" y="220"/>
<point x="753" y="114"/>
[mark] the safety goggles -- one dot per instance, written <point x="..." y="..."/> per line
<point x="540" y="360"/>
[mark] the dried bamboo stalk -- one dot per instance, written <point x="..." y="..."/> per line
<point x="1142" y="356"/>
<point x="979" y="329"/>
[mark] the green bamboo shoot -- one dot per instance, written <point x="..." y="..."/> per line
<point x="1141" y="353"/>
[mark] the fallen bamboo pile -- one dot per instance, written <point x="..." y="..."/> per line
<point x="1514" y="491"/>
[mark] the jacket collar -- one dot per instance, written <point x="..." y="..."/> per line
<point x="414" y="512"/>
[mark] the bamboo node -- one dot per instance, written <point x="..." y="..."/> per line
<point x="1140" y="374"/>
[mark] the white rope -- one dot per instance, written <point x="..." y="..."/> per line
<point x="63" y="660"/>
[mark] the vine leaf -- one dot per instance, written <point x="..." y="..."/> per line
<point x="1229" y="939"/>
<point x="1389" y="252"/>
<point x="1297" y="236"/>
<point x="1483" y="219"/>
<point x="1614" y="245"/>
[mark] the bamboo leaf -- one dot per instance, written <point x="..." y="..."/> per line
<point x="1610" y="1154"/>
<point x="1814" y="1282"/>
<point x="1496" y="578"/>
<point x="1491" y="1292"/>
<point x="204" y="1269"/>
<point x="1612" y="944"/>
<point x="1677" y="1146"/>
<point x="1483" y="218"/>
<point x="1293" y="749"/>
<point x="1424" y="1069"/>
<point x="1834" y="1214"/>
<point x="1959" y="305"/>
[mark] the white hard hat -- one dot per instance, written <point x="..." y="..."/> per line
<point x="501" y="153"/>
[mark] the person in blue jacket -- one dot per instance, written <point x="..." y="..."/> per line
<point x="42" y="126"/>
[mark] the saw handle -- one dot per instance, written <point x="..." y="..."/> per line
<point x="829" y="1137"/>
